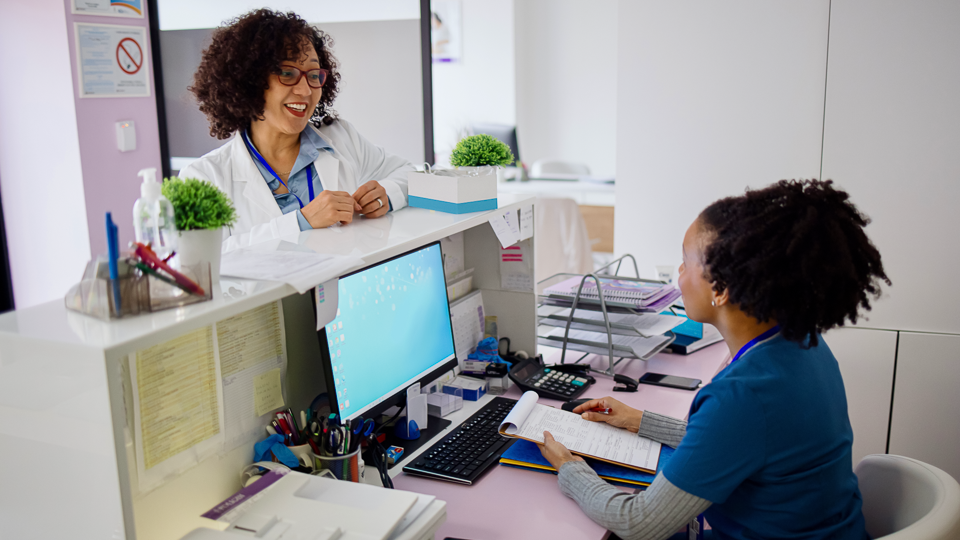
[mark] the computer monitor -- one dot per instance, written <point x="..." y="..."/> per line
<point x="392" y="329"/>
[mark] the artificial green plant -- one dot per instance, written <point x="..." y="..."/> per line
<point x="480" y="150"/>
<point x="198" y="204"/>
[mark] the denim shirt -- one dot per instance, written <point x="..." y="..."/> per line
<point x="311" y="144"/>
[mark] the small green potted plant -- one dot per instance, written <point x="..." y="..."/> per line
<point x="201" y="211"/>
<point x="481" y="151"/>
<point x="471" y="186"/>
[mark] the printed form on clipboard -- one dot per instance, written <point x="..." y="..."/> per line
<point x="529" y="419"/>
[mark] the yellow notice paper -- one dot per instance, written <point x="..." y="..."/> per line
<point x="250" y="344"/>
<point x="177" y="390"/>
<point x="250" y="338"/>
<point x="267" y="394"/>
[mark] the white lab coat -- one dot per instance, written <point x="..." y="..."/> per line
<point x="354" y="161"/>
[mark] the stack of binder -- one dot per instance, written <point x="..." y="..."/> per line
<point x="526" y="455"/>
<point x="625" y="324"/>
<point x="632" y="294"/>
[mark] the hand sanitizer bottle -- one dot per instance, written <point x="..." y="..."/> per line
<point x="153" y="218"/>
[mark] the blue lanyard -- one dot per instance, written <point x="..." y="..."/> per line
<point x="743" y="350"/>
<point x="275" y="175"/>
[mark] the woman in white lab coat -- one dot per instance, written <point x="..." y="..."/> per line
<point x="267" y="82"/>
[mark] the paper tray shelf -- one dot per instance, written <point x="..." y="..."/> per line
<point x="601" y="348"/>
<point x="571" y="323"/>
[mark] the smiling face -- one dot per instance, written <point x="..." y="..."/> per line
<point x="697" y="291"/>
<point x="287" y="109"/>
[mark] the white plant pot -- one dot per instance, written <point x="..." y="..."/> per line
<point x="202" y="245"/>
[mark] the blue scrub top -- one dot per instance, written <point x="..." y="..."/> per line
<point x="769" y="444"/>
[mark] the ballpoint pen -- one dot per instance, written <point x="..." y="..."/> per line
<point x="147" y="270"/>
<point x="113" y="253"/>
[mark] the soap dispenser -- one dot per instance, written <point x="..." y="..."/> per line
<point x="153" y="218"/>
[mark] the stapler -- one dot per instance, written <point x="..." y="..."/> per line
<point x="629" y="385"/>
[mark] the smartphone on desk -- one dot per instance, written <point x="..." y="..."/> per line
<point x="670" y="381"/>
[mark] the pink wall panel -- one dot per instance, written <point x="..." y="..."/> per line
<point x="110" y="179"/>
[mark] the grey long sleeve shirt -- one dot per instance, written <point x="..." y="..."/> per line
<point x="656" y="513"/>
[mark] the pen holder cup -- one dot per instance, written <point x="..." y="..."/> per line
<point x="343" y="467"/>
<point x="304" y="454"/>
<point x="139" y="293"/>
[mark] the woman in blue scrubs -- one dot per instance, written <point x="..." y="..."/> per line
<point x="766" y="452"/>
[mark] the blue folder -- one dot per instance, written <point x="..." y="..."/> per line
<point x="526" y="455"/>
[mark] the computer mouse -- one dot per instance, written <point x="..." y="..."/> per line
<point x="574" y="403"/>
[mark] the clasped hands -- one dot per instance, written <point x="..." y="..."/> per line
<point x="339" y="206"/>
<point x="620" y="415"/>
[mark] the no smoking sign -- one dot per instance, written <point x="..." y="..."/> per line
<point x="111" y="60"/>
<point x="129" y="56"/>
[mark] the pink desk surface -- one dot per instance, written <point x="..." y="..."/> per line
<point x="514" y="503"/>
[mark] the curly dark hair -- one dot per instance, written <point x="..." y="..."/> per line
<point x="794" y="252"/>
<point x="233" y="75"/>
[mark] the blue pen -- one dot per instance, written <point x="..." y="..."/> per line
<point x="113" y="253"/>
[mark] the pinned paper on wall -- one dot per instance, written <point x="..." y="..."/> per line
<point x="513" y="222"/>
<point x="505" y="233"/>
<point x="326" y="296"/>
<point x="250" y="344"/>
<point x="111" y="60"/>
<point x="452" y="248"/>
<point x="466" y="315"/>
<point x="177" y="404"/>
<point x="526" y="222"/>
<point x="516" y="270"/>
<point x="267" y="393"/>
<point x="109" y="8"/>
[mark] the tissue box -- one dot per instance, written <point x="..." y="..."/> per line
<point x="452" y="194"/>
<point x="443" y="404"/>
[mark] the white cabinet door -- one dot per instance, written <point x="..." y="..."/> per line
<point x="926" y="404"/>
<point x="890" y="138"/>
<point x="866" y="359"/>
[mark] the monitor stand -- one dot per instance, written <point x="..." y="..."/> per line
<point x="434" y="427"/>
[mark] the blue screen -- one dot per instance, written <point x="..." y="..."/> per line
<point x="392" y="327"/>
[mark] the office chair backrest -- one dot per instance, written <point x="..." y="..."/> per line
<point x="907" y="499"/>
<point x="546" y="167"/>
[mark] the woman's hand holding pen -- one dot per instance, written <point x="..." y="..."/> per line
<point x="330" y="207"/>
<point x="618" y="415"/>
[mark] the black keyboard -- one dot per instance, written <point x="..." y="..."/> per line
<point x="470" y="449"/>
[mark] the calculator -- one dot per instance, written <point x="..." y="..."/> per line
<point x="549" y="382"/>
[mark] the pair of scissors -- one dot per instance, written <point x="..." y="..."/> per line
<point x="367" y="427"/>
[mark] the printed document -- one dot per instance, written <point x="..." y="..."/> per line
<point x="529" y="419"/>
<point x="177" y="404"/>
<point x="253" y="361"/>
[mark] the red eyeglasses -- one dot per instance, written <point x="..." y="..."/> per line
<point x="290" y="76"/>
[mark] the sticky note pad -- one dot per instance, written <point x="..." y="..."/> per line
<point x="266" y="392"/>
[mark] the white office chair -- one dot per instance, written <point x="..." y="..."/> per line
<point x="546" y="167"/>
<point x="907" y="499"/>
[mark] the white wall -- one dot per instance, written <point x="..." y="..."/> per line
<point x="190" y="14"/>
<point x="381" y="86"/>
<point x="712" y="97"/>
<point x="42" y="183"/>
<point x="481" y="87"/>
<point x="567" y="82"/>
<point x="892" y="139"/>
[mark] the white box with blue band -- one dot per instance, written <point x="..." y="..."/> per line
<point x="459" y="194"/>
